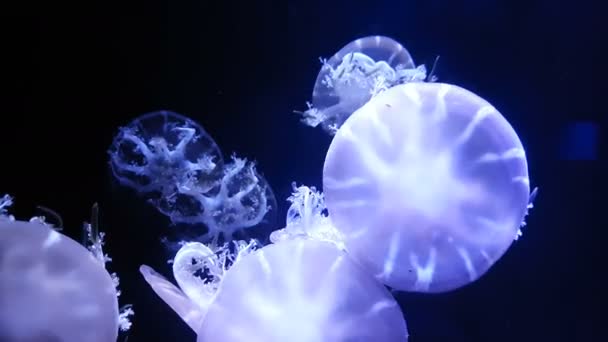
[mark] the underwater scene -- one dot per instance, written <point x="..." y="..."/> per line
<point x="301" y="171"/>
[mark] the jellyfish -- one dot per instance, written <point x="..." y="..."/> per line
<point x="52" y="288"/>
<point x="299" y="288"/>
<point x="358" y="71"/>
<point x="172" y="160"/>
<point x="428" y="183"/>
<point x="242" y="199"/>
<point x="160" y="152"/>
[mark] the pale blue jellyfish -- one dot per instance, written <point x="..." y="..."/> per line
<point x="54" y="289"/>
<point x="241" y="199"/>
<point x="428" y="183"/>
<point x="298" y="289"/>
<point x="171" y="160"/>
<point x="160" y="152"/>
<point x="360" y="70"/>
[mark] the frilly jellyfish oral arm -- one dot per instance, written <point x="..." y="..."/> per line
<point x="94" y="240"/>
<point x="170" y="159"/>
<point x="125" y="165"/>
<point x="160" y="151"/>
<point x="417" y="74"/>
<point x="307" y="217"/>
<point x="242" y="201"/>
<point x="359" y="71"/>
<point x="5" y="202"/>
<point x="531" y="200"/>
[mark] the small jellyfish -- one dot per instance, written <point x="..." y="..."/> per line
<point x="160" y="152"/>
<point x="361" y="69"/>
<point x="171" y="160"/>
<point x="52" y="288"/>
<point x="296" y="290"/>
<point x="429" y="184"/>
<point x="241" y="199"/>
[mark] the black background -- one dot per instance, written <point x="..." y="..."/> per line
<point x="73" y="73"/>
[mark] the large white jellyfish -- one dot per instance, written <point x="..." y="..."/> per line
<point x="429" y="185"/>
<point x="358" y="71"/>
<point x="299" y="289"/>
<point x="52" y="288"/>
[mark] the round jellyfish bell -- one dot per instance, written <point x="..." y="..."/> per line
<point x="429" y="185"/>
<point x="52" y="288"/>
<point x="302" y="290"/>
<point x="358" y="71"/>
<point x="160" y="152"/>
<point x="295" y="290"/>
<point x="242" y="200"/>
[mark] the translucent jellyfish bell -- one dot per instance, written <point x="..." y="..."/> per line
<point x="429" y="184"/>
<point x="161" y="151"/>
<point x="360" y="70"/>
<point x="296" y="290"/>
<point x="52" y="288"/>
<point x="302" y="290"/>
<point x="241" y="199"/>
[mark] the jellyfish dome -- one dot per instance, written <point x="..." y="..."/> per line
<point x="429" y="185"/>
<point x="160" y="152"/>
<point x="172" y="161"/>
<point x="358" y="71"/>
<point x="302" y="290"/>
<point x="295" y="290"/>
<point x="52" y="288"/>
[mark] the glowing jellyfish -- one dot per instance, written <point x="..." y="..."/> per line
<point x="161" y="152"/>
<point x="360" y="70"/>
<point x="429" y="184"/>
<point x="52" y="288"/>
<point x="298" y="289"/>
<point x="172" y="160"/>
<point x="302" y="290"/>
<point x="241" y="199"/>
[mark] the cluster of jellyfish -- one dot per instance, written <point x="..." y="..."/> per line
<point x="174" y="163"/>
<point x="425" y="187"/>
